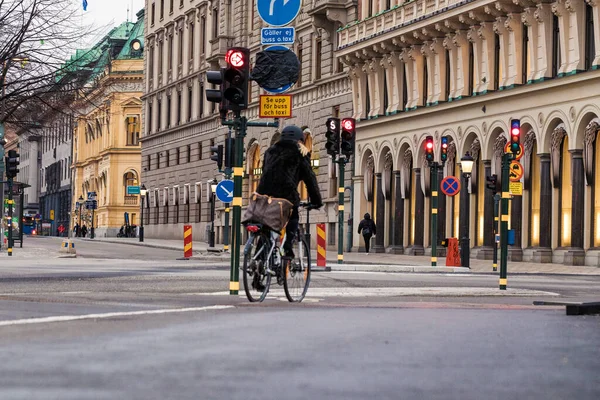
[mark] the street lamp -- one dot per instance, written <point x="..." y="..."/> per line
<point x="80" y="207"/>
<point x="213" y="190"/>
<point x="466" y="165"/>
<point x="143" y="192"/>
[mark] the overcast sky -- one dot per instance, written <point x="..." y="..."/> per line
<point x="109" y="13"/>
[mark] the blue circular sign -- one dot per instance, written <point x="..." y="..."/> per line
<point x="450" y="186"/>
<point x="278" y="12"/>
<point x="284" y="88"/>
<point x="224" y="191"/>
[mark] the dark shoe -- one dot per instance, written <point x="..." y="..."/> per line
<point x="258" y="286"/>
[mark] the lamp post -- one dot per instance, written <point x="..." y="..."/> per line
<point x="80" y="207"/>
<point x="466" y="165"/>
<point x="143" y="192"/>
<point x="213" y="190"/>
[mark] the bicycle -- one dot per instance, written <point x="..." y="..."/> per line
<point x="263" y="260"/>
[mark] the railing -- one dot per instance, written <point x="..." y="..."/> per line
<point x="131" y="200"/>
<point x="400" y="15"/>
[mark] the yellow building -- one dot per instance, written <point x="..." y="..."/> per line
<point x="106" y="148"/>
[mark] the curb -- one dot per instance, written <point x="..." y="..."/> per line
<point x="398" y="268"/>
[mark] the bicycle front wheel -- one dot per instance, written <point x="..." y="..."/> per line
<point x="256" y="278"/>
<point x="297" y="273"/>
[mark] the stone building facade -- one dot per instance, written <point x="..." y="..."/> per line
<point x="464" y="69"/>
<point x="184" y="39"/>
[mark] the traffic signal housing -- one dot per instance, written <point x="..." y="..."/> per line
<point x="216" y="78"/>
<point x="236" y="77"/>
<point x="348" y="136"/>
<point x="229" y="152"/>
<point x="493" y="183"/>
<point x="216" y="154"/>
<point x="429" y="149"/>
<point x="444" y="149"/>
<point x="12" y="162"/>
<point x="333" y="136"/>
<point x="515" y="135"/>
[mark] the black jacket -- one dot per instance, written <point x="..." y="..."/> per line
<point x="367" y="222"/>
<point x="284" y="167"/>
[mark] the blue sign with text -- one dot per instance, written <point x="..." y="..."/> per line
<point x="278" y="12"/>
<point x="284" y="35"/>
<point x="224" y="191"/>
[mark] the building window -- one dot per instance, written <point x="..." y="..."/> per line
<point x="203" y="33"/>
<point x="177" y="156"/>
<point x="189" y="104"/>
<point x="178" y="108"/>
<point x="150" y="116"/>
<point x="192" y="38"/>
<point x="170" y="55"/>
<point x="170" y="6"/>
<point x="199" y="150"/>
<point x="471" y="69"/>
<point x="149" y="162"/>
<point x="180" y="55"/>
<point x="162" y="9"/>
<point x="168" y="111"/>
<point x="496" y="61"/>
<point x="299" y="53"/>
<point x="555" y="46"/>
<point x="590" y="46"/>
<point x="189" y="153"/>
<point x="161" y="48"/>
<point x="159" y="125"/>
<point x="447" y="82"/>
<point x="425" y="80"/>
<point x="215" y="15"/>
<point x="201" y="101"/>
<point x="525" y="55"/>
<point x="318" y="49"/>
<point x="133" y="130"/>
<point x="152" y="10"/>
<point x="151" y="62"/>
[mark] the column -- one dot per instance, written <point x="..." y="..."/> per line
<point x="398" y="219"/>
<point x="464" y="217"/>
<point x="487" y="250"/>
<point x="441" y="220"/>
<point x="418" y="249"/>
<point x="378" y="246"/>
<point x="576" y="255"/>
<point x="543" y="254"/>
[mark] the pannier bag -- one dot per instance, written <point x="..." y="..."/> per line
<point x="270" y="211"/>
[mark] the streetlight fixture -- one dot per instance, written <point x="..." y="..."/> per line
<point x="466" y="165"/>
<point x="143" y="192"/>
<point x="213" y="190"/>
<point x="315" y="163"/>
<point x="80" y="207"/>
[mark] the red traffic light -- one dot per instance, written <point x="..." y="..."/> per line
<point x="348" y="124"/>
<point x="429" y="145"/>
<point x="236" y="58"/>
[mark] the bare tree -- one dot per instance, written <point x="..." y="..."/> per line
<point x="38" y="55"/>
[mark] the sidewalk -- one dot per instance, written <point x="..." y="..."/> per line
<point x="374" y="261"/>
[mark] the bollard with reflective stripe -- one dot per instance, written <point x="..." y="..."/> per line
<point x="321" y="246"/>
<point x="187" y="241"/>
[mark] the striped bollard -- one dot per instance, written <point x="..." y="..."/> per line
<point x="321" y="249"/>
<point x="187" y="241"/>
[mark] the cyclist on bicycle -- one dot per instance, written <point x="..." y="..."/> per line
<point x="286" y="163"/>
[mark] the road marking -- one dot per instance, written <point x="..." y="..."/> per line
<point x="68" y="318"/>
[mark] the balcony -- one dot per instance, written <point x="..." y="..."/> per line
<point x="131" y="200"/>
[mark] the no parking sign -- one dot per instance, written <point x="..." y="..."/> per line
<point x="450" y="186"/>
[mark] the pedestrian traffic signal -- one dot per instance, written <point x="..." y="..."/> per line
<point x="348" y="136"/>
<point x="333" y="136"/>
<point x="236" y="78"/>
<point x="216" y="78"/>
<point x="216" y="154"/>
<point x="444" y="149"/>
<point x="12" y="162"/>
<point x="493" y="184"/>
<point x="515" y="135"/>
<point x="429" y="149"/>
<point x="229" y="152"/>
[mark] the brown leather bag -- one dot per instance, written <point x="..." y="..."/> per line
<point x="270" y="211"/>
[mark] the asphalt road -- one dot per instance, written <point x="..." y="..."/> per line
<point x="135" y="325"/>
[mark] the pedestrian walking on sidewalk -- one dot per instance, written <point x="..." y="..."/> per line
<point x="367" y="228"/>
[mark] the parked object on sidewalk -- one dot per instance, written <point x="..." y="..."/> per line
<point x="452" y="254"/>
<point x="368" y="228"/>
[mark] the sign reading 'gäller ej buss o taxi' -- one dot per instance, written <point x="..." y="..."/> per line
<point x="275" y="106"/>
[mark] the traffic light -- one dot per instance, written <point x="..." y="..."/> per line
<point x="12" y="164"/>
<point x="216" y="78"/>
<point x="515" y="135"/>
<point x="429" y="149"/>
<point x="348" y="136"/>
<point x="333" y="136"/>
<point x="216" y="154"/>
<point x="229" y="152"/>
<point x="236" y="78"/>
<point x="493" y="184"/>
<point x="444" y="149"/>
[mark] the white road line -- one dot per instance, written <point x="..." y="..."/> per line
<point x="67" y="318"/>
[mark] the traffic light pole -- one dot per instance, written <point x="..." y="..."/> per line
<point x="496" y="206"/>
<point x="10" y="216"/>
<point x="506" y="158"/>
<point x="341" y="190"/>
<point x="434" y="211"/>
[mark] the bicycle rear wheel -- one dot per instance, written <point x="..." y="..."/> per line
<point x="297" y="273"/>
<point x="256" y="279"/>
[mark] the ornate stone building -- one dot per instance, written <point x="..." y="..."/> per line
<point x="463" y="69"/>
<point x="184" y="40"/>
<point x="106" y="148"/>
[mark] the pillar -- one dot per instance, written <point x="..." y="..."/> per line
<point x="397" y="246"/>
<point x="379" y="247"/>
<point x="576" y="255"/>
<point x="418" y="249"/>
<point x="543" y="254"/>
<point x="441" y="221"/>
